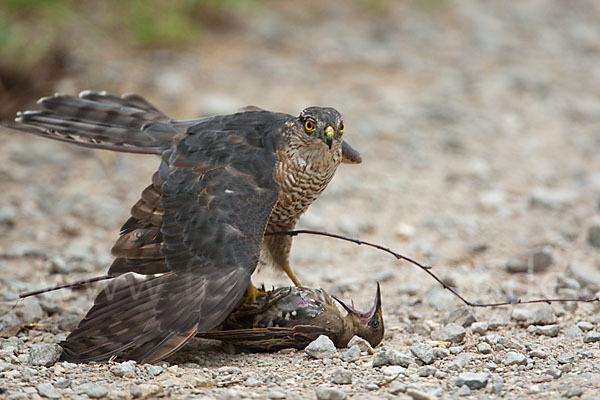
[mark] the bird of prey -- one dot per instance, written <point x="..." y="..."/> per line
<point x="294" y="317"/>
<point x="185" y="256"/>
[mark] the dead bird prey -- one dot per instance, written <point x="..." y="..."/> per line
<point x="294" y="317"/>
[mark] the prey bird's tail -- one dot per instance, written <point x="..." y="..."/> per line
<point x="99" y="120"/>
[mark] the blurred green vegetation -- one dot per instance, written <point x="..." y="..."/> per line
<point x="31" y="28"/>
<point x="37" y="36"/>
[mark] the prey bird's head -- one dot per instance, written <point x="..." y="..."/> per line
<point x="368" y="325"/>
<point x="322" y="124"/>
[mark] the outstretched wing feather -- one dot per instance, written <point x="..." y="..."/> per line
<point x="211" y="230"/>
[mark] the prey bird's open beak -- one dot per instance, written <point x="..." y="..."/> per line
<point x="329" y="134"/>
<point x="376" y="308"/>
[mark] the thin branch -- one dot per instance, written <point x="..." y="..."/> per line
<point x="66" y="285"/>
<point x="427" y="270"/>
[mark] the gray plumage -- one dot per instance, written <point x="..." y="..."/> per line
<point x="196" y="233"/>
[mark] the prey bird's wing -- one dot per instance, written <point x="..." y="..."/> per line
<point x="269" y="339"/>
<point x="195" y="234"/>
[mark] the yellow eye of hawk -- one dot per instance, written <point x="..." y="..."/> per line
<point x="342" y="127"/>
<point x="309" y="125"/>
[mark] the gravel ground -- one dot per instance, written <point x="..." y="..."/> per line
<point x="479" y="126"/>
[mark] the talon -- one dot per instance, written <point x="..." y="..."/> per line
<point x="253" y="293"/>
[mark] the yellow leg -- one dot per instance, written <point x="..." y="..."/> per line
<point x="292" y="275"/>
<point x="253" y="293"/>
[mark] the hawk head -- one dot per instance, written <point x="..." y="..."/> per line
<point x="322" y="124"/>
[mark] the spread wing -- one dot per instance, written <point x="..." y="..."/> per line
<point x="195" y="234"/>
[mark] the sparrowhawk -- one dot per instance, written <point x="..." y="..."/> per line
<point x="196" y="235"/>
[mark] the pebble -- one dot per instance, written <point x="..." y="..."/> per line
<point x="59" y="266"/>
<point x="92" y="390"/>
<point x="388" y="356"/>
<point x="441" y="352"/>
<point x="553" y="372"/>
<point x="232" y="394"/>
<point x="143" y="390"/>
<point x="48" y="391"/>
<point x="585" y="326"/>
<point x="565" y="358"/>
<point x="417" y="394"/>
<point x="352" y="354"/>
<point x="461" y="316"/>
<point x="460" y="361"/>
<point x="362" y="344"/>
<point x="154" y="370"/>
<point x="542" y="315"/>
<point x="534" y="389"/>
<point x="222" y="370"/>
<point x="496" y="384"/>
<point x="572" y="332"/>
<point x="321" y="347"/>
<point x="341" y="376"/>
<point x="30" y="309"/>
<point x="372" y="386"/>
<point x="426" y="371"/>
<point x="514" y="358"/>
<point x="404" y="231"/>
<point x="509" y="343"/>
<point x="586" y="274"/>
<point x="463" y="391"/>
<point x="551" y="199"/>
<point x="423" y="352"/>
<point x="522" y="315"/>
<point x="329" y="393"/>
<point x="492" y="200"/>
<point x="492" y="366"/>
<point x="591" y="337"/>
<point x="450" y="333"/>
<point x="536" y="260"/>
<point x="44" y="354"/>
<point x="393" y="370"/>
<point x="439" y="298"/>
<point x="276" y="395"/>
<point x="484" y="348"/>
<point x="474" y="380"/>
<point x="252" y="382"/>
<point x="546" y="330"/>
<point x="479" y="328"/>
<point x="539" y="352"/>
<point x="62" y="383"/>
<point x="572" y="391"/>
<point x="124" y="369"/>
<point x="8" y="216"/>
<point x="594" y="233"/>
<point x="396" y="388"/>
<point x="8" y="320"/>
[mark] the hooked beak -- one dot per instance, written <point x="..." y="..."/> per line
<point x="366" y="315"/>
<point x="329" y="134"/>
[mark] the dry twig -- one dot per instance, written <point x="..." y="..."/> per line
<point x="428" y="270"/>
